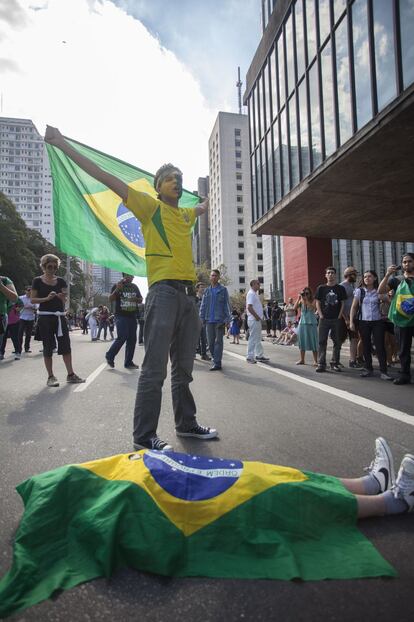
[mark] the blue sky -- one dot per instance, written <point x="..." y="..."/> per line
<point x="212" y="37"/>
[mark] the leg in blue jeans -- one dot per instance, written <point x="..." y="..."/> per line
<point x="215" y="335"/>
<point x="131" y="341"/>
<point x="121" y="337"/>
<point x="171" y="322"/>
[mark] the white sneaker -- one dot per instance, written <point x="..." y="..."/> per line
<point x="262" y="358"/>
<point x="382" y="467"/>
<point x="52" y="381"/>
<point x="385" y="377"/>
<point x="404" y="486"/>
<point x="17" y="356"/>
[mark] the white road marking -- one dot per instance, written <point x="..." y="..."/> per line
<point x="90" y="378"/>
<point x="345" y="395"/>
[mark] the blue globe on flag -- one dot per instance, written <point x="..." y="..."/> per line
<point x="129" y="226"/>
<point x="192" y="478"/>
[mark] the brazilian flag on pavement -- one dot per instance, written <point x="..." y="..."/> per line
<point x="183" y="515"/>
<point x="91" y="222"/>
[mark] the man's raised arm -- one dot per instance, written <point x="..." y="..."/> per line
<point x="55" y="138"/>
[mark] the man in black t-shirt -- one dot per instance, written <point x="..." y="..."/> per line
<point x="127" y="297"/>
<point x="329" y="304"/>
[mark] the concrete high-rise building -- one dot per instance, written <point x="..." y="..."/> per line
<point x="232" y="242"/>
<point x="201" y="232"/>
<point x="330" y="94"/>
<point x="25" y="175"/>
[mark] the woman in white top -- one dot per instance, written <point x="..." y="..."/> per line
<point x="370" y="322"/>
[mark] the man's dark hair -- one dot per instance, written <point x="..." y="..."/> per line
<point x="253" y="281"/>
<point x="163" y="170"/>
<point x="216" y="271"/>
<point x="408" y="255"/>
<point x="330" y="268"/>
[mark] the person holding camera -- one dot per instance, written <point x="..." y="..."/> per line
<point x="127" y="297"/>
<point x="308" y="326"/>
<point x="49" y="292"/>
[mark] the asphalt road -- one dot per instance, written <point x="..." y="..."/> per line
<point x="279" y="413"/>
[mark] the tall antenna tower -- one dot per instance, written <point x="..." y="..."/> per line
<point x="239" y="85"/>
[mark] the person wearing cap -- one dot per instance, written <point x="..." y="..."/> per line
<point x="172" y="324"/>
<point x="350" y="276"/>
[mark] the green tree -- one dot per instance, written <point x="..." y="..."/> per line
<point x="203" y="274"/>
<point x="22" y="248"/>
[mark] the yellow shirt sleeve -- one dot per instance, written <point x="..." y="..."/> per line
<point x="142" y="205"/>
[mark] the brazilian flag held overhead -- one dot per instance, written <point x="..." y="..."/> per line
<point x="91" y="222"/>
<point x="183" y="515"/>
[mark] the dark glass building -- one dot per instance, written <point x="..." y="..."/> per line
<point x="331" y="77"/>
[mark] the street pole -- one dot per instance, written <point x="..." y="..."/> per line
<point x="68" y="280"/>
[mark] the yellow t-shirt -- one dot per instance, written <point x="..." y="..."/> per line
<point x="167" y="234"/>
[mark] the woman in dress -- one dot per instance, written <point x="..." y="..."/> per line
<point x="371" y="326"/>
<point x="308" y="326"/>
<point x="235" y="326"/>
<point x="49" y="291"/>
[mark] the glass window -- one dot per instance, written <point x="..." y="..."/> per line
<point x="270" y="183"/>
<point x="290" y="67"/>
<point x="362" y="66"/>
<point x="384" y="52"/>
<point x="265" y="205"/>
<point x="256" y="117"/>
<point x="311" y="29"/>
<point x="254" y="196"/>
<point x="284" y="153"/>
<point x="281" y="69"/>
<point x="259" y="105"/>
<point x="338" y="7"/>
<point x="273" y="81"/>
<point x="314" y="115"/>
<point x="342" y="76"/>
<point x="259" y="185"/>
<point x="267" y="95"/>
<point x="324" y="20"/>
<point x="294" y="152"/>
<point x="300" y="42"/>
<point x="407" y="40"/>
<point x="276" y="161"/>
<point x="328" y="101"/>
<point x="303" y="129"/>
<point x="251" y="119"/>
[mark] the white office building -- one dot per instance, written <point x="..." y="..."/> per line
<point x="232" y="243"/>
<point x="25" y="175"/>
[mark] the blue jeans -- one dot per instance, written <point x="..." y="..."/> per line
<point x="126" y="331"/>
<point x="215" y="334"/>
<point x="172" y="328"/>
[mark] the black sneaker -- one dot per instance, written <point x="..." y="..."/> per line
<point x="131" y="366"/>
<point x="110" y="362"/>
<point x="199" y="432"/>
<point x="335" y="367"/>
<point x="320" y="368"/>
<point x="154" y="443"/>
<point x="402" y="380"/>
<point x="355" y="365"/>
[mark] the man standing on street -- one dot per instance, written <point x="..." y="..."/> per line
<point x="350" y="275"/>
<point x="215" y="313"/>
<point x="127" y="297"/>
<point x="27" y="318"/>
<point x="329" y="304"/>
<point x="202" y="342"/>
<point x="254" y="310"/>
<point x="172" y="323"/>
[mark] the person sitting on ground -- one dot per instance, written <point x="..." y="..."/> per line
<point x="49" y="292"/>
<point x="287" y="336"/>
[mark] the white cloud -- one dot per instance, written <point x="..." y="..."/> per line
<point x="97" y="74"/>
